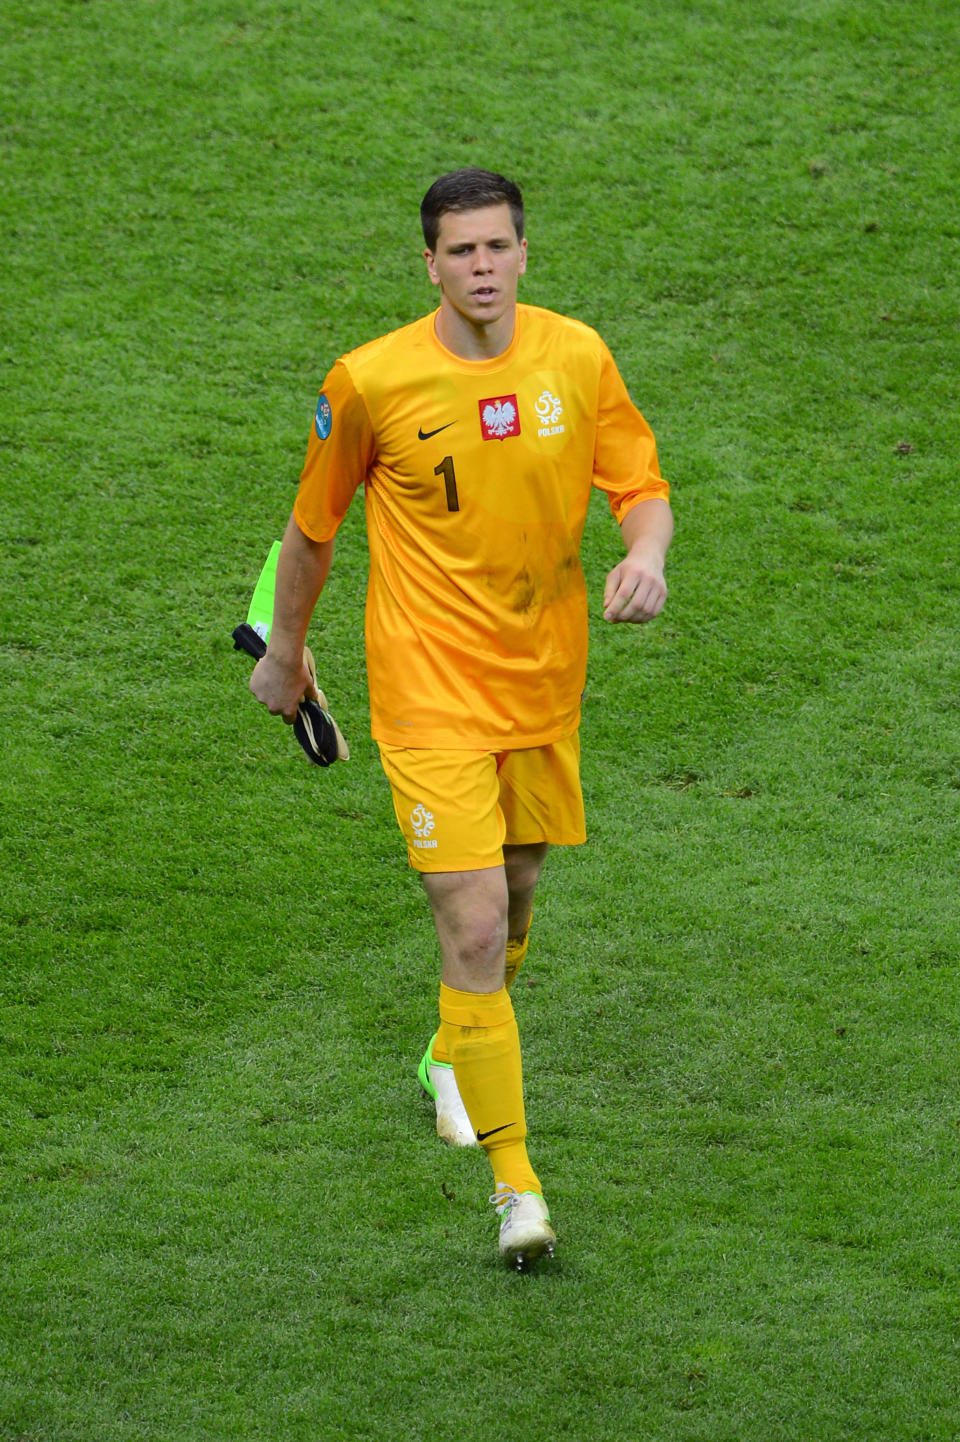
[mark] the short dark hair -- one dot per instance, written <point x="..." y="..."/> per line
<point x="468" y="189"/>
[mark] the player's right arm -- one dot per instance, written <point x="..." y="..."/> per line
<point x="281" y="679"/>
<point x="339" y="451"/>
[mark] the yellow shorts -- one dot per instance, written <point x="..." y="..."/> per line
<point x="457" y="809"/>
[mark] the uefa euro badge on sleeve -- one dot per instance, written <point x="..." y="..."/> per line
<point x="314" y="727"/>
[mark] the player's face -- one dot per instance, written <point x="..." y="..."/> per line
<point x="477" y="263"/>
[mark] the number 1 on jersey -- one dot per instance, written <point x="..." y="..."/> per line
<point x="446" y="470"/>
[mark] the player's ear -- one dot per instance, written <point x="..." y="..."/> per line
<point x="431" y="267"/>
<point x="523" y="256"/>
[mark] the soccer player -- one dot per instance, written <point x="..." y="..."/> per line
<point x="477" y="434"/>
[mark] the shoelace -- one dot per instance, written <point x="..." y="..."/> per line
<point x="504" y="1199"/>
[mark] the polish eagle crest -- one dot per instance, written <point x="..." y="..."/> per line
<point x="499" y="418"/>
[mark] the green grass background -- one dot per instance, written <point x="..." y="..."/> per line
<point x="224" y="1214"/>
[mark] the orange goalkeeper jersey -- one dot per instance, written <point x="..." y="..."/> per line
<point x="477" y="477"/>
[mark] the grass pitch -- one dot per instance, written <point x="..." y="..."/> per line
<point x="224" y="1214"/>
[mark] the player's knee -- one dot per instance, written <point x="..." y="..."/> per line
<point x="482" y="942"/>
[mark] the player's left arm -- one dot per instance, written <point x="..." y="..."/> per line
<point x="635" y="589"/>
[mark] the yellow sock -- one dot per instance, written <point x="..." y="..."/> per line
<point x="516" y="951"/>
<point x="480" y="1031"/>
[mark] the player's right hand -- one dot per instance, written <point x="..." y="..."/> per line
<point x="281" y="688"/>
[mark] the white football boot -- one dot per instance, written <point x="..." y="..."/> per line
<point x="525" y="1230"/>
<point x="440" y="1084"/>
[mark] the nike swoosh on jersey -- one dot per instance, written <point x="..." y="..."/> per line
<point x="482" y="1136"/>
<point x="423" y="435"/>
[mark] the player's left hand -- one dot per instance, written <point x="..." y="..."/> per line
<point x="635" y="590"/>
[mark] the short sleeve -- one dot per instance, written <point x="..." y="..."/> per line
<point x="625" y="465"/>
<point x="340" y="451"/>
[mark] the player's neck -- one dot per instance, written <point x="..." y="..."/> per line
<point x="472" y="340"/>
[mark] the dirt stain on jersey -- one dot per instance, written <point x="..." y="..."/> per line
<point x="567" y="569"/>
<point x="532" y="588"/>
<point x="524" y="593"/>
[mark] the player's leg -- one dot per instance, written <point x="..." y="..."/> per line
<point x="542" y="806"/>
<point x="538" y="802"/>
<point x="470" y="911"/>
<point x="477" y="1021"/>
<point x="448" y="807"/>
<point x="522" y="865"/>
